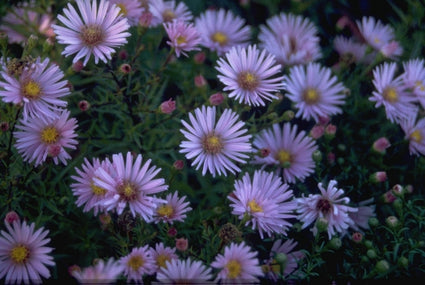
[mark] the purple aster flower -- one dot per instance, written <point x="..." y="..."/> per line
<point x="220" y="30"/>
<point x="288" y="149"/>
<point x="292" y="39"/>
<point x="350" y="51"/>
<point x="183" y="36"/>
<point x="238" y="264"/>
<point x="23" y="254"/>
<point x="415" y="133"/>
<point x="41" y="136"/>
<point x="39" y="87"/>
<point x="315" y="92"/>
<point x="215" y="146"/>
<point x="364" y="212"/>
<point x="392" y="93"/>
<point x="130" y="183"/>
<point x="94" y="30"/>
<point x="166" y="11"/>
<point x="414" y="78"/>
<point x="184" y="272"/>
<point x="131" y="9"/>
<point x="287" y="248"/>
<point x="161" y="255"/>
<point x="250" y="75"/>
<point x="174" y="209"/>
<point x="138" y="263"/>
<point x="330" y="205"/>
<point x="265" y="200"/>
<point x="102" y="272"/>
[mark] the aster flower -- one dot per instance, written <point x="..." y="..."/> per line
<point x="38" y="86"/>
<point x="414" y="78"/>
<point x="292" y="39"/>
<point x="23" y="254"/>
<point x="137" y="263"/>
<point x="238" y="264"/>
<point x="250" y="75"/>
<point x="215" y="145"/>
<point x="220" y="30"/>
<point x="364" y="212"/>
<point x="184" y="272"/>
<point x="415" y="133"/>
<point x="183" y="36"/>
<point x="104" y="272"/>
<point x="94" y="30"/>
<point x="315" y="92"/>
<point x="349" y="50"/>
<point x="289" y="149"/>
<point x="391" y="93"/>
<point x="166" y="11"/>
<point x="131" y="184"/>
<point x="330" y="205"/>
<point x="161" y="254"/>
<point x="41" y="136"/>
<point x="268" y="203"/>
<point x="174" y="209"/>
<point x="130" y="9"/>
<point x="287" y="248"/>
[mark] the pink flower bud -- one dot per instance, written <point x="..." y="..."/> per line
<point x="4" y="126"/>
<point x="172" y="232"/>
<point x="357" y="237"/>
<point x="123" y="54"/>
<point x="167" y="107"/>
<point x="331" y="157"/>
<point x="182" y="244"/>
<point x="178" y="164"/>
<point x="317" y="131"/>
<point x="381" y="144"/>
<point x="11" y="217"/>
<point x="324" y="120"/>
<point x="200" y="81"/>
<point x="78" y="66"/>
<point x="199" y="57"/>
<point x="389" y="197"/>
<point x="379" y="176"/>
<point x="125" y="68"/>
<point x="54" y="150"/>
<point x="216" y="99"/>
<point x="330" y="130"/>
<point x="83" y="105"/>
<point x="145" y="19"/>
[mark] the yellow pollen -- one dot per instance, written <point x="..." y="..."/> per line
<point x="168" y="15"/>
<point x="284" y="158"/>
<point x="19" y="254"/>
<point x="220" y="38"/>
<point x="135" y="262"/>
<point x="376" y="40"/>
<point x="123" y="9"/>
<point x="98" y="191"/>
<point x="416" y="136"/>
<point x="127" y="192"/>
<point x="181" y="40"/>
<point x="248" y="81"/>
<point x="162" y="259"/>
<point x="49" y="135"/>
<point x="255" y="208"/>
<point x="212" y="144"/>
<point x="390" y="95"/>
<point x="234" y="269"/>
<point x="420" y="85"/>
<point x="311" y="96"/>
<point x="165" y="211"/>
<point x="92" y="35"/>
<point x="32" y="90"/>
<point x="275" y="267"/>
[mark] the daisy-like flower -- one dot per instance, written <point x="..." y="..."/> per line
<point x="330" y="205"/>
<point x="166" y="11"/>
<point x="288" y="149"/>
<point x="102" y="272"/>
<point x="267" y="202"/>
<point x="130" y="183"/>
<point x="94" y="30"/>
<point x="184" y="272"/>
<point x="215" y="145"/>
<point x="349" y="50"/>
<point x="131" y="9"/>
<point x="39" y="87"/>
<point x="292" y="39"/>
<point x="250" y="74"/>
<point x="414" y="78"/>
<point x="415" y="133"/>
<point x="87" y="193"/>
<point x="238" y="264"/>
<point x="42" y="136"/>
<point x="220" y="30"/>
<point x="292" y="258"/>
<point x="183" y="36"/>
<point x="315" y="91"/>
<point x="24" y="254"/>
<point x="392" y="93"/>
<point x="138" y="263"/>
<point x="364" y="212"/>
<point x="174" y="209"/>
<point x="161" y="254"/>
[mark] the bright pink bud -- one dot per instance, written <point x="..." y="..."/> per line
<point x="200" y="81"/>
<point x="11" y="217"/>
<point x="178" y="164"/>
<point x="381" y="144"/>
<point x="199" y="57"/>
<point x="182" y="244"/>
<point x="330" y="130"/>
<point x="83" y="105"/>
<point x="216" y="99"/>
<point x="172" y="232"/>
<point x="78" y="66"/>
<point x="167" y="107"/>
<point x="357" y="237"/>
<point x="317" y="131"/>
<point x="379" y="176"/>
<point x="324" y="120"/>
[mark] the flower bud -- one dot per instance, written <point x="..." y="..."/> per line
<point x="172" y="232"/>
<point x="123" y="54"/>
<point x="78" y="66"/>
<point x="380" y="145"/>
<point x="264" y="152"/>
<point x="282" y="260"/>
<point x="335" y="243"/>
<point x="357" y="237"/>
<point x="398" y="190"/>
<point x="105" y="219"/>
<point x="145" y="19"/>
<point x="199" y="57"/>
<point x="216" y="99"/>
<point x="178" y="164"/>
<point x="83" y="105"/>
<point x="373" y="222"/>
<point x="324" y="120"/>
<point x="368" y="244"/>
<point x="11" y="217"/>
<point x="330" y="157"/>
<point x="4" y="126"/>
<point x="167" y="107"/>
<point x="200" y="81"/>
<point x="317" y="155"/>
<point x="182" y="244"/>
<point x="371" y="253"/>
<point x="288" y="115"/>
<point x="317" y="131"/>
<point x="322" y="224"/>
<point x="382" y="266"/>
<point x="403" y="262"/>
<point x="125" y="68"/>
<point x="377" y="177"/>
<point x="330" y="131"/>
<point x="392" y="222"/>
<point x="388" y="197"/>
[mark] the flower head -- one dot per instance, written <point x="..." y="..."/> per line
<point x="166" y="11"/>
<point x="215" y="145"/>
<point x="174" y="209"/>
<point x="350" y="51"/>
<point x="95" y="30"/>
<point x="23" y="254"/>
<point x="130" y="9"/>
<point x="292" y="258"/>
<point x="104" y="272"/>
<point x="365" y="211"/>
<point x="161" y="254"/>
<point x="183" y="36"/>
<point x="184" y="272"/>
<point x="414" y="131"/>
<point x="414" y="78"/>
<point x="137" y="263"/>
<point x="250" y="74"/>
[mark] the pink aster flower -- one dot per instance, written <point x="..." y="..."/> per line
<point x="166" y="11"/>
<point x="414" y="78"/>
<point x="238" y="264"/>
<point x="174" y="209"/>
<point x="415" y="133"/>
<point x="130" y="9"/>
<point x="287" y="248"/>
<point x="215" y="146"/>
<point x="23" y="254"/>
<point x="130" y="183"/>
<point x="315" y="91"/>
<point x="184" y="272"/>
<point x="39" y="87"/>
<point x="138" y="263"/>
<point x="41" y="136"/>
<point x="292" y="39"/>
<point x="251" y="75"/>
<point x="265" y="200"/>
<point x="349" y="50"/>
<point x="392" y="93"/>
<point x="161" y="255"/>
<point x="183" y="36"/>
<point x="102" y="272"/>
<point x="220" y="30"/>
<point x="330" y="205"/>
<point x="94" y="30"/>
<point x="289" y="149"/>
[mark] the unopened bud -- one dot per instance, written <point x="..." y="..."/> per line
<point x="368" y="244"/>
<point x="78" y="66"/>
<point x="403" y="262"/>
<point x="392" y="222"/>
<point x="398" y="190"/>
<point x="317" y="155"/>
<point x="322" y="224"/>
<point x="125" y="68"/>
<point x="216" y="99"/>
<point x="172" y="232"/>
<point x="373" y="222"/>
<point x="288" y="115"/>
<point x="317" y="131"/>
<point x="11" y="217"/>
<point x="4" y="126"/>
<point x="357" y="237"/>
<point x="371" y="253"/>
<point x="182" y="244"/>
<point x="178" y="164"/>
<point x="145" y="19"/>
<point x="199" y="57"/>
<point x="167" y="107"/>
<point x="388" y="197"/>
<point x="123" y="54"/>
<point x="83" y="105"/>
<point x="264" y="152"/>
<point x="200" y="81"/>
<point x="335" y="243"/>
<point x="380" y="145"/>
<point x="377" y="177"/>
<point x="382" y="266"/>
<point x="330" y="131"/>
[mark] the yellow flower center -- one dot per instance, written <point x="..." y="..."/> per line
<point x="123" y="9"/>
<point x="275" y="267"/>
<point x="212" y="144"/>
<point x="49" y="135"/>
<point x="19" y="254"/>
<point x="165" y="210"/>
<point x="416" y="136"/>
<point x="127" y="192"/>
<point x="376" y="40"/>
<point x="420" y="85"/>
<point x="311" y="96"/>
<point x="248" y="81"/>
<point x="234" y="269"/>
<point x="135" y="262"/>
<point x="162" y="259"/>
<point x="168" y="15"/>
<point x="220" y="38"/>
<point x="98" y="191"/>
<point x="255" y="208"/>
<point x="92" y="35"/>
<point x="181" y="40"/>
<point x="32" y="90"/>
<point x="284" y="158"/>
<point x="390" y="95"/>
